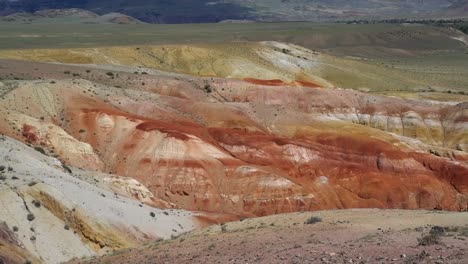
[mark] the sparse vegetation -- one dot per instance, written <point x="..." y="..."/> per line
<point x="30" y="217"/>
<point x="208" y="88"/>
<point x="37" y="204"/>
<point x="432" y="238"/>
<point x="223" y="228"/>
<point x="41" y="150"/>
<point x="313" y="220"/>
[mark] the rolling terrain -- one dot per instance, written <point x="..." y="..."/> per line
<point x="204" y="11"/>
<point x="352" y="236"/>
<point x="68" y="16"/>
<point x="110" y="142"/>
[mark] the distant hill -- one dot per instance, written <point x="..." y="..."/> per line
<point x="198" y="11"/>
<point x="72" y="15"/>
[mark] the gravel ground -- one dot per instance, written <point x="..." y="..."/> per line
<point x="349" y="236"/>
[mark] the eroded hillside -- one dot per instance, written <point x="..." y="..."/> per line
<point x="95" y="139"/>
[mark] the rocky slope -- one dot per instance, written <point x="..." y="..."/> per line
<point x="54" y="212"/>
<point x="346" y="236"/>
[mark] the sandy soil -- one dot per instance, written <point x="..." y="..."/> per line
<point x="349" y="236"/>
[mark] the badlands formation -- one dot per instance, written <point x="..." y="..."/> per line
<point x="109" y="148"/>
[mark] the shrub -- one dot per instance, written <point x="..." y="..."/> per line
<point x="313" y="220"/>
<point x="437" y="231"/>
<point x="30" y="217"/>
<point x="152" y="214"/>
<point x="429" y="239"/>
<point x="37" y="204"/>
<point x="208" y="88"/>
<point x="41" y="150"/>
<point x="223" y="228"/>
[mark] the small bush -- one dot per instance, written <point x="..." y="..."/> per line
<point x="41" y="150"/>
<point x="152" y="214"/>
<point x="429" y="239"/>
<point x="437" y="231"/>
<point x="208" y="88"/>
<point x="37" y="204"/>
<point x="66" y="227"/>
<point x="223" y="228"/>
<point x="30" y="217"/>
<point x="313" y="220"/>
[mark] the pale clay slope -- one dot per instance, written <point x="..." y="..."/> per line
<point x="265" y="60"/>
<point x="120" y="221"/>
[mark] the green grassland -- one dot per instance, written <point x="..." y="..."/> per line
<point x="310" y="35"/>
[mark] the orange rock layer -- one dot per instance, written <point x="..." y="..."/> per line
<point x="246" y="149"/>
